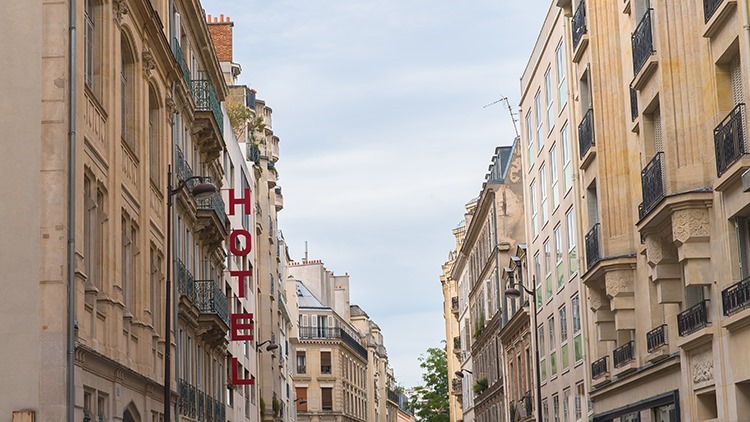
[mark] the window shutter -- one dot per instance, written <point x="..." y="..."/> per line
<point x="693" y="295"/>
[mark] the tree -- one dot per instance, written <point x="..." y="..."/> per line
<point x="429" y="403"/>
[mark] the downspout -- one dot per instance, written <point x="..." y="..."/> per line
<point x="172" y="143"/>
<point x="71" y="207"/>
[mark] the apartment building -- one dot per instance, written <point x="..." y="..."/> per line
<point x="662" y="144"/>
<point x="553" y="203"/>
<point x="452" y="334"/>
<point x="494" y="225"/>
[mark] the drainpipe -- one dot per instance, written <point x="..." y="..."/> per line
<point x="71" y="207"/>
<point x="173" y="210"/>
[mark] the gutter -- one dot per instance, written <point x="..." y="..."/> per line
<point x="71" y="208"/>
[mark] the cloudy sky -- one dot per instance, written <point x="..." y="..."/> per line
<point x="384" y="138"/>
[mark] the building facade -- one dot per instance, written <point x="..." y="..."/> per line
<point x="552" y="252"/>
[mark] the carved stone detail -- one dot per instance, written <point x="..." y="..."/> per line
<point x="659" y="250"/>
<point x="171" y="107"/>
<point x="149" y="63"/>
<point x="702" y="368"/>
<point x="689" y="224"/>
<point x="597" y="300"/>
<point x="619" y="283"/>
<point x="119" y="9"/>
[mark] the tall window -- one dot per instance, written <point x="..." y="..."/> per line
<point x="570" y="222"/>
<point x="538" y="115"/>
<point x="564" y="349"/>
<point x="556" y="408"/>
<point x="534" y="212"/>
<point x="575" y="307"/>
<point x="89" y="41"/>
<point x="154" y="153"/>
<point x="325" y="362"/>
<point x="562" y="92"/>
<point x="559" y="271"/>
<point x="301" y="393"/>
<point x="94" y="231"/>
<point x="538" y="279"/>
<point x="567" y="167"/>
<point x="156" y="277"/>
<point x="326" y="395"/>
<point x="547" y="269"/>
<point x="530" y="137"/>
<point x="543" y="192"/>
<point x="580" y="395"/>
<point x="550" y="99"/>
<point x="127" y="108"/>
<point x="553" y="173"/>
<point x="566" y="405"/>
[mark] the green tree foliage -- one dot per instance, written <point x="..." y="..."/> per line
<point x="429" y="403"/>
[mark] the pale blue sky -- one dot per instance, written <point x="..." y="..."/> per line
<point x="378" y="105"/>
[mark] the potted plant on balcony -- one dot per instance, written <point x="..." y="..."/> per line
<point x="480" y="386"/>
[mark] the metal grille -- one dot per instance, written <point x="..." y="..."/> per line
<point x="579" y="23"/>
<point x="642" y="42"/>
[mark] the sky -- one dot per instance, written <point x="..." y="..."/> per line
<point x="384" y="137"/>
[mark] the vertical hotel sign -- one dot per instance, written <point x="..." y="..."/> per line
<point x="241" y="327"/>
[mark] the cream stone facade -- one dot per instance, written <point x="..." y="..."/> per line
<point x="552" y="198"/>
<point x="452" y="334"/>
<point x="662" y="143"/>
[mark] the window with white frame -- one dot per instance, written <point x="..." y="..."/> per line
<point x="534" y="211"/>
<point x="567" y="167"/>
<point x="575" y="307"/>
<point x="539" y="122"/>
<point x="530" y="137"/>
<point x="550" y="99"/>
<point x="553" y="175"/>
<point x="562" y="92"/>
<point x="543" y="192"/>
<point x="570" y="222"/>
<point x="559" y="271"/>
<point x="547" y="269"/>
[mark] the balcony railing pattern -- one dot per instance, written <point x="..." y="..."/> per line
<point x="211" y="300"/>
<point x="624" y="354"/>
<point x="736" y="297"/>
<point x="710" y="7"/>
<point x="599" y="368"/>
<point x="392" y="396"/>
<point x="205" y="99"/>
<point x="656" y="338"/>
<point x="586" y="137"/>
<point x="633" y="104"/>
<point x="253" y="153"/>
<point x="182" y="168"/>
<point x="181" y="62"/>
<point x="456" y="386"/>
<point x="729" y="139"/>
<point x="593" y="246"/>
<point x="456" y="343"/>
<point x="185" y="281"/>
<point x="642" y="42"/>
<point x="216" y="204"/>
<point x="187" y="404"/>
<point x="354" y="344"/>
<point x="579" y="23"/>
<point x="454" y="304"/>
<point x="652" y="184"/>
<point x="331" y="333"/>
<point x="692" y="319"/>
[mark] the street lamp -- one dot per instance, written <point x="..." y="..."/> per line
<point x="204" y="189"/>
<point x="514" y="293"/>
<point x="460" y="373"/>
<point x="271" y="346"/>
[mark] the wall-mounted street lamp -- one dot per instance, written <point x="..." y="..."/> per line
<point x="514" y="293"/>
<point x="202" y="190"/>
<point x="271" y="346"/>
<point x="460" y="373"/>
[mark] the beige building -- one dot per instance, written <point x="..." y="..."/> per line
<point x="452" y="334"/>
<point x="661" y="135"/>
<point x="552" y="200"/>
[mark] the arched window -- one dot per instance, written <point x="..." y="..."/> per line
<point x="127" y="91"/>
<point x="154" y="146"/>
<point x="91" y="37"/>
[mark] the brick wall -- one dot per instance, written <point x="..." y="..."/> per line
<point x="221" y="34"/>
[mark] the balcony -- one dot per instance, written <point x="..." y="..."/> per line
<point x="185" y="282"/>
<point x="181" y="62"/>
<point x="273" y="174"/>
<point x="710" y="7"/>
<point x="735" y="298"/>
<point x="656" y="338"/>
<point x="579" y="24"/>
<point x="633" y="104"/>
<point x="209" y="119"/>
<point x="212" y="219"/>
<point x="586" y="138"/>
<point x="624" y="354"/>
<point x="729" y="139"/>
<point x="599" y="368"/>
<point x="642" y="43"/>
<point x="454" y="305"/>
<point x="456" y="387"/>
<point x="214" y="313"/>
<point x="652" y="184"/>
<point x="186" y="403"/>
<point x="393" y="396"/>
<point x="279" y="198"/>
<point x="593" y="246"/>
<point x="457" y="344"/>
<point x="253" y="153"/>
<point x="331" y="333"/>
<point x="182" y="168"/>
<point x="692" y="319"/>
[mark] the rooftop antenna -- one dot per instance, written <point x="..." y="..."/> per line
<point x="510" y="110"/>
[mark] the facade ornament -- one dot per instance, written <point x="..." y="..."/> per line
<point x="119" y="9"/>
<point x="690" y="224"/>
<point x="149" y="63"/>
<point x="619" y="283"/>
<point x="702" y="369"/>
<point x="596" y="299"/>
<point x="171" y="107"/>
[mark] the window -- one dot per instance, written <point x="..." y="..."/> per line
<point x="567" y="167"/>
<point x="570" y="221"/>
<point x="127" y="263"/>
<point x="540" y="338"/>
<point x="154" y="153"/>
<point x="743" y="243"/>
<point x="538" y="115"/>
<point x="566" y="405"/>
<point x="563" y="324"/>
<point x="559" y="271"/>
<point x="580" y="395"/>
<point x="538" y="279"/>
<point x="94" y="231"/>
<point x="556" y="408"/>
<point x="89" y="41"/>
<point x="562" y="92"/>
<point x="156" y="288"/>
<point x="577" y="340"/>
<point x="548" y="269"/>
<point x="545" y="409"/>
<point x="301" y="362"/>
<point x="553" y="174"/>
<point x="550" y="99"/>
<point x="543" y="193"/>
<point x="326" y="396"/>
<point x="301" y="393"/>
<point x="530" y="138"/>
<point x="534" y="212"/>
<point x="127" y="89"/>
<point x="551" y="326"/>
<point x="325" y="362"/>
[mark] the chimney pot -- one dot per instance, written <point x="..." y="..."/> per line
<point x="221" y="17"/>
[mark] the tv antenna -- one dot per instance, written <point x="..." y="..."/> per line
<point x="513" y="116"/>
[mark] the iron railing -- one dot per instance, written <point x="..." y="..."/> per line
<point x="209" y="417"/>
<point x="185" y="281"/>
<point x="599" y="367"/>
<point x="182" y="168"/>
<point x="652" y="184"/>
<point x="593" y="246"/>
<point x="211" y="300"/>
<point x="579" y="23"/>
<point x="692" y="319"/>
<point x="633" y="104"/>
<point x="220" y="412"/>
<point x="710" y="7"/>
<point x="456" y="386"/>
<point x="201" y="406"/>
<point x="656" y="338"/>
<point x="586" y="138"/>
<point x="736" y="297"/>
<point x="729" y="139"/>
<point x="253" y="153"/>
<point x="454" y="304"/>
<point x="319" y="332"/>
<point x="624" y="354"/>
<point x="181" y="62"/>
<point x="354" y="344"/>
<point x="214" y="203"/>
<point x="456" y="343"/>
<point x="205" y="99"/>
<point x="642" y="42"/>
<point x="186" y="403"/>
<point x="392" y="396"/>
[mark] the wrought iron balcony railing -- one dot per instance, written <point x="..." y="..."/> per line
<point x="209" y="417"/>
<point x="579" y="23"/>
<point x="624" y="354"/>
<point x="710" y="7"/>
<point x="599" y="367"/>
<point x="652" y="184"/>
<point x="214" y="203"/>
<point x="182" y="168"/>
<point x="456" y="386"/>
<point x="181" y="62"/>
<point x="736" y="297"/>
<point x="633" y="104"/>
<point x="354" y="344"/>
<point x="729" y="139"/>
<point x="656" y="338"/>
<point x="392" y="396"/>
<point x="454" y="304"/>
<point x="642" y="42"/>
<point x="457" y="343"/>
<point x="205" y="99"/>
<point x="185" y="281"/>
<point x="211" y="300"/>
<point x="201" y="406"/>
<point x="586" y="138"/>
<point x="692" y="319"/>
<point x="186" y="403"/>
<point x="593" y="246"/>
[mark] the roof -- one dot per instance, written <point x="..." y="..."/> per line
<point x="306" y="299"/>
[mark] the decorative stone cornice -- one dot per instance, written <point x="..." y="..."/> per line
<point x="119" y="9"/>
<point x="690" y="225"/>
